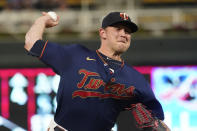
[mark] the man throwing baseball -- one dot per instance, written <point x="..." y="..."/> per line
<point x="95" y="86"/>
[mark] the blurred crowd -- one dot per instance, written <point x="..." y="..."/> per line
<point x="32" y="4"/>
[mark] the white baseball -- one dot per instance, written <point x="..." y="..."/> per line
<point x="53" y="15"/>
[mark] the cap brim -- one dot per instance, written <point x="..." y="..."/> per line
<point x="130" y="25"/>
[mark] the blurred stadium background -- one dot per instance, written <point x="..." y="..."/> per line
<point x="164" y="50"/>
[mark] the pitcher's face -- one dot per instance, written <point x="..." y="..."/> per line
<point x="118" y="37"/>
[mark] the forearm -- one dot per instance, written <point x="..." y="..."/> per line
<point x="37" y="29"/>
<point x="35" y="33"/>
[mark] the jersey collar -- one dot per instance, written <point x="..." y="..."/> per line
<point x="105" y="63"/>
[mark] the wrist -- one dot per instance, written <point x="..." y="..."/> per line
<point x="41" y="21"/>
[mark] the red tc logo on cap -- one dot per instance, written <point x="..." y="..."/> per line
<point x="124" y="16"/>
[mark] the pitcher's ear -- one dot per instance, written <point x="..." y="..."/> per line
<point x="102" y="33"/>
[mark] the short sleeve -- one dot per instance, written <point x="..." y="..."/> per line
<point x="58" y="57"/>
<point x="37" y="48"/>
<point x="54" y="55"/>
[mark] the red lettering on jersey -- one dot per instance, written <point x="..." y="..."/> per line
<point x="94" y="84"/>
<point x="107" y="86"/>
<point x="85" y="94"/>
<point x="112" y="89"/>
<point x="121" y="89"/>
<point x="116" y="88"/>
<point x="129" y="91"/>
<point x="86" y="75"/>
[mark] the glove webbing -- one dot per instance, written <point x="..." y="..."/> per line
<point x="142" y="116"/>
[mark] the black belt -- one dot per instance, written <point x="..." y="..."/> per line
<point x="58" y="129"/>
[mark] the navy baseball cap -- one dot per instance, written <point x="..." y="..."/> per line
<point x="119" y="17"/>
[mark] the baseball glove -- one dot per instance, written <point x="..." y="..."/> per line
<point x="145" y="121"/>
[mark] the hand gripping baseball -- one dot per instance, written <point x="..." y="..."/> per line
<point x="52" y="19"/>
